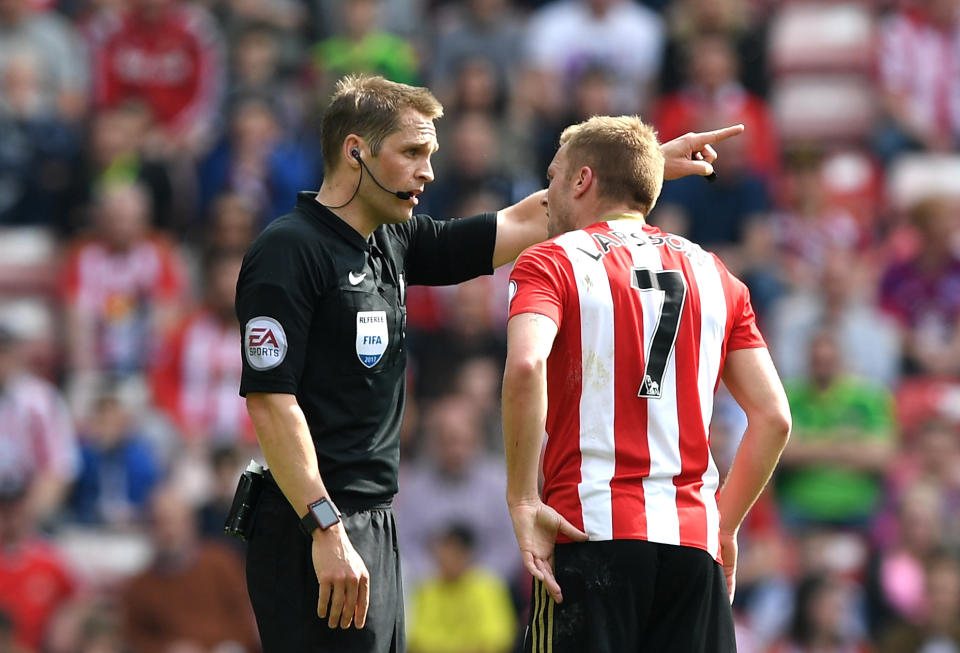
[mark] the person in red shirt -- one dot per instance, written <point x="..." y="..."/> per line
<point x="618" y="336"/>
<point x="122" y="287"/>
<point x="35" y="581"/>
<point x="168" y="54"/>
<point x="197" y="372"/>
<point x="713" y="93"/>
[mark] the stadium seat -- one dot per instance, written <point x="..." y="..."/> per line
<point x="824" y="108"/>
<point x="26" y="260"/>
<point x="912" y="177"/>
<point x="821" y="37"/>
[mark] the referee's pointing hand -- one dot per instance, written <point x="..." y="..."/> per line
<point x="343" y="578"/>
<point x="537" y="525"/>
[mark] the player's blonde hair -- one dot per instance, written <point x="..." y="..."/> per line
<point x="370" y="107"/>
<point x="623" y="153"/>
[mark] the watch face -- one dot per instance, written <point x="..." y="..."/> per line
<point x="324" y="513"/>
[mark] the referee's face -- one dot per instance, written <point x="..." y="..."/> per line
<point x="403" y="164"/>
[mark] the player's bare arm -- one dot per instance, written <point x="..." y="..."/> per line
<point x="750" y="376"/>
<point x="525" y="223"/>
<point x="529" y="340"/>
<point x="288" y="449"/>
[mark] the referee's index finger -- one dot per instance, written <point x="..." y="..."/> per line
<point x="717" y="135"/>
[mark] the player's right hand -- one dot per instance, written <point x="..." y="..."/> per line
<point x="343" y="578"/>
<point x="537" y="525"/>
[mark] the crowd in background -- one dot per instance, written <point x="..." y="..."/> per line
<point x="145" y="143"/>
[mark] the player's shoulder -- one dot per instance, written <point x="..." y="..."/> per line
<point x="548" y="249"/>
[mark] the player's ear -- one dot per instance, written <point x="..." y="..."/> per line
<point x="585" y="180"/>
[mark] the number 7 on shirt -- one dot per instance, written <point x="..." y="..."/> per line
<point x="674" y="287"/>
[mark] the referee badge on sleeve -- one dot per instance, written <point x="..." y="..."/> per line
<point x="264" y="343"/>
<point x="373" y="336"/>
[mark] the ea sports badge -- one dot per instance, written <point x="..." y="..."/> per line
<point x="372" y="336"/>
<point x="264" y="343"/>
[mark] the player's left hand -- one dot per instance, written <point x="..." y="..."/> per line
<point x="692" y="153"/>
<point x="728" y="551"/>
<point x="537" y="526"/>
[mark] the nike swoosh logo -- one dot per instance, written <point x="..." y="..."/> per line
<point x="355" y="279"/>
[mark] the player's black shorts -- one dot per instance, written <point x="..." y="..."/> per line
<point x="283" y="584"/>
<point x="632" y="596"/>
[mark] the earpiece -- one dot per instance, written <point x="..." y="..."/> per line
<point x="401" y="194"/>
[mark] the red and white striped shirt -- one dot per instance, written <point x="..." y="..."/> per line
<point x="645" y="320"/>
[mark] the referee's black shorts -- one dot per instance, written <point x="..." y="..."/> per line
<point x="632" y="596"/>
<point x="283" y="584"/>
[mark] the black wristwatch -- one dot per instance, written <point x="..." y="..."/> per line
<point x="321" y="514"/>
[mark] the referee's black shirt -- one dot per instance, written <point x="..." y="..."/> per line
<point x="322" y="315"/>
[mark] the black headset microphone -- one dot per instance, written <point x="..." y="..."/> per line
<point x="402" y="194"/>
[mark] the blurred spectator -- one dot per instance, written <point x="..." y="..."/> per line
<point x="284" y="16"/>
<point x="8" y="642"/>
<point x="764" y="599"/>
<point x="119" y="467"/>
<point x="566" y="36"/>
<point x="169" y="55"/>
<point x="713" y="95"/>
<point x="40" y="151"/>
<point x="476" y="29"/>
<point x="457" y="480"/>
<point x="591" y="94"/>
<point x="474" y="165"/>
<point x="34" y="581"/>
<point x="919" y="80"/>
<point x="257" y="161"/>
<point x="122" y="287"/>
<point x="469" y="329"/>
<point x="897" y="571"/>
<point x="939" y="630"/>
<point x="86" y="625"/>
<point x="256" y="69"/>
<point x="116" y="155"/>
<point x="923" y="293"/>
<point x="759" y="266"/>
<point x="478" y="380"/>
<point x="715" y="215"/>
<point x="461" y="607"/>
<point x="931" y="455"/>
<point x="46" y="36"/>
<point x="193" y="594"/>
<point x="197" y="369"/>
<point x="809" y="229"/>
<point x="232" y="224"/>
<point x="690" y="20"/>
<point x="844" y="436"/>
<point x="364" y="47"/>
<point x="823" y="621"/>
<point x="836" y="295"/>
<point x="37" y="437"/>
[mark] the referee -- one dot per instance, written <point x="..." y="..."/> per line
<point x="321" y="299"/>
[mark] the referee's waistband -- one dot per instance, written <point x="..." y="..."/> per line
<point x="346" y="505"/>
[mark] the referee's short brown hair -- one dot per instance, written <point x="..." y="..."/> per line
<point x="370" y="107"/>
<point x="623" y="153"/>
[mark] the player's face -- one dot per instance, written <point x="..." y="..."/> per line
<point x="559" y="198"/>
<point x="403" y="164"/>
